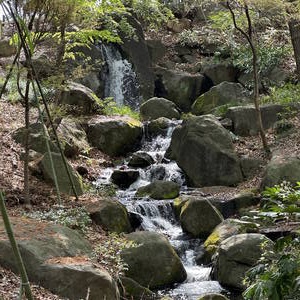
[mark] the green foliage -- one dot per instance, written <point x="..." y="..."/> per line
<point x="283" y="199"/>
<point x="108" y="253"/>
<point x="109" y="107"/>
<point x="151" y="13"/>
<point x="76" y="218"/>
<point x="277" y="274"/>
<point x="286" y="94"/>
<point x="188" y="37"/>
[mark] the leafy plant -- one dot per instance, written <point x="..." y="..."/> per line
<point x="188" y="37"/>
<point x="277" y="274"/>
<point x="108" y="253"/>
<point x="75" y="218"/>
<point x="283" y="199"/>
<point x="109" y="107"/>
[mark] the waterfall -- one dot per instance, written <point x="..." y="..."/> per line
<point x="159" y="216"/>
<point x="120" y="79"/>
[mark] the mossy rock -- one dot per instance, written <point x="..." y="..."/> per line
<point x="111" y="215"/>
<point x="213" y="297"/>
<point x="178" y="203"/>
<point x="152" y="262"/>
<point x="159" y="189"/>
<point x="227" y="228"/>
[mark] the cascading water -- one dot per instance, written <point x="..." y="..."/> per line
<point x="120" y="80"/>
<point x="159" y="216"/>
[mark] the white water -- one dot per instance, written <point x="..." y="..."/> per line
<point x="121" y="81"/>
<point x="158" y="216"/>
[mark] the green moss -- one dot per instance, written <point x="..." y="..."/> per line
<point x="212" y="242"/>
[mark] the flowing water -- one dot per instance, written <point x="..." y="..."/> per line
<point x="120" y="81"/>
<point x="158" y="216"/>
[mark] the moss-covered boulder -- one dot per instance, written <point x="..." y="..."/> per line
<point x="37" y="139"/>
<point x="226" y="229"/>
<point x="281" y="168"/>
<point x="236" y="255"/>
<point x="111" y="215"/>
<point x="203" y="149"/>
<point x="114" y="135"/>
<point x="159" y="126"/>
<point x="57" y="258"/>
<point x="152" y="262"/>
<point x="63" y="180"/>
<point x="225" y="93"/>
<point x="199" y="217"/>
<point x="159" y="189"/>
<point x="155" y="108"/>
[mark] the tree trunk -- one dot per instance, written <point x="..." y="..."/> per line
<point x="294" y="26"/>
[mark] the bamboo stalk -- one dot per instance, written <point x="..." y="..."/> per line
<point x="15" y="248"/>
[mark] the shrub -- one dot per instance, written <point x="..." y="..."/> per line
<point x="188" y="38"/>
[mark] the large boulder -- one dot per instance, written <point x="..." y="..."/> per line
<point x="236" y="255"/>
<point x="140" y="160"/>
<point x="7" y="48"/>
<point x="63" y="180"/>
<point x="159" y="126"/>
<point x="226" y="229"/>
<point x="76" y="95"/>
<point x="155" y="108"/>
<point x="218" y="73"/>
<point x="56" y="258"/>
<point x="37" y="138"/>
<point x="73" y="137"/>
<point x="244" y="118"/>
<point x="110" y="214"/>
<point x="114" y="135"/>
<point x="281" y="168"/>
<point x="199" y="217"/>
<point x="157" y="50"/>
<point x="203" y="149"/>
<point x="124" y="178"/>
<point x="159" y="189"/>
<point x="179" y="87"/>
<point x="152" y="262"/>
<point x="225" y="93"/>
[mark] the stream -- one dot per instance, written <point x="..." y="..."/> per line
<point x="158" y="216"/>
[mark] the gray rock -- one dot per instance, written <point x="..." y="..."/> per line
<point x="157" y="127"/>
<point x="236" y="255"/>
<point x="124" y="178"/>
<point x="225" y="93"/>
<point x="203" y="149"/>
<point x="244" y="118"/>
<point x="140" y="160"/>
<point x="79" y="96"/>
<point x="152" y="262"/>
<point x="37" y="139"/>
<point x="111" y="215"/>
<point x="159" y="189"/>
<point x="281" y="168"/>
<point x="157" y="50"/>
<point x="250" y="166"/>
<point x="73" y="137"/>
<point x="218" y="73"/>
<point x="199" y="217"/>
<point x="155" y="108"/>
<point x="114" y="135"/>
<point x="61" y="173"/>
<point x="57" y="258"/>
<point x="178" y="87"/>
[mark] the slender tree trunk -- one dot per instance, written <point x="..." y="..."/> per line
<point x="294" y="27"/>
<point x="26" y="144"/>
